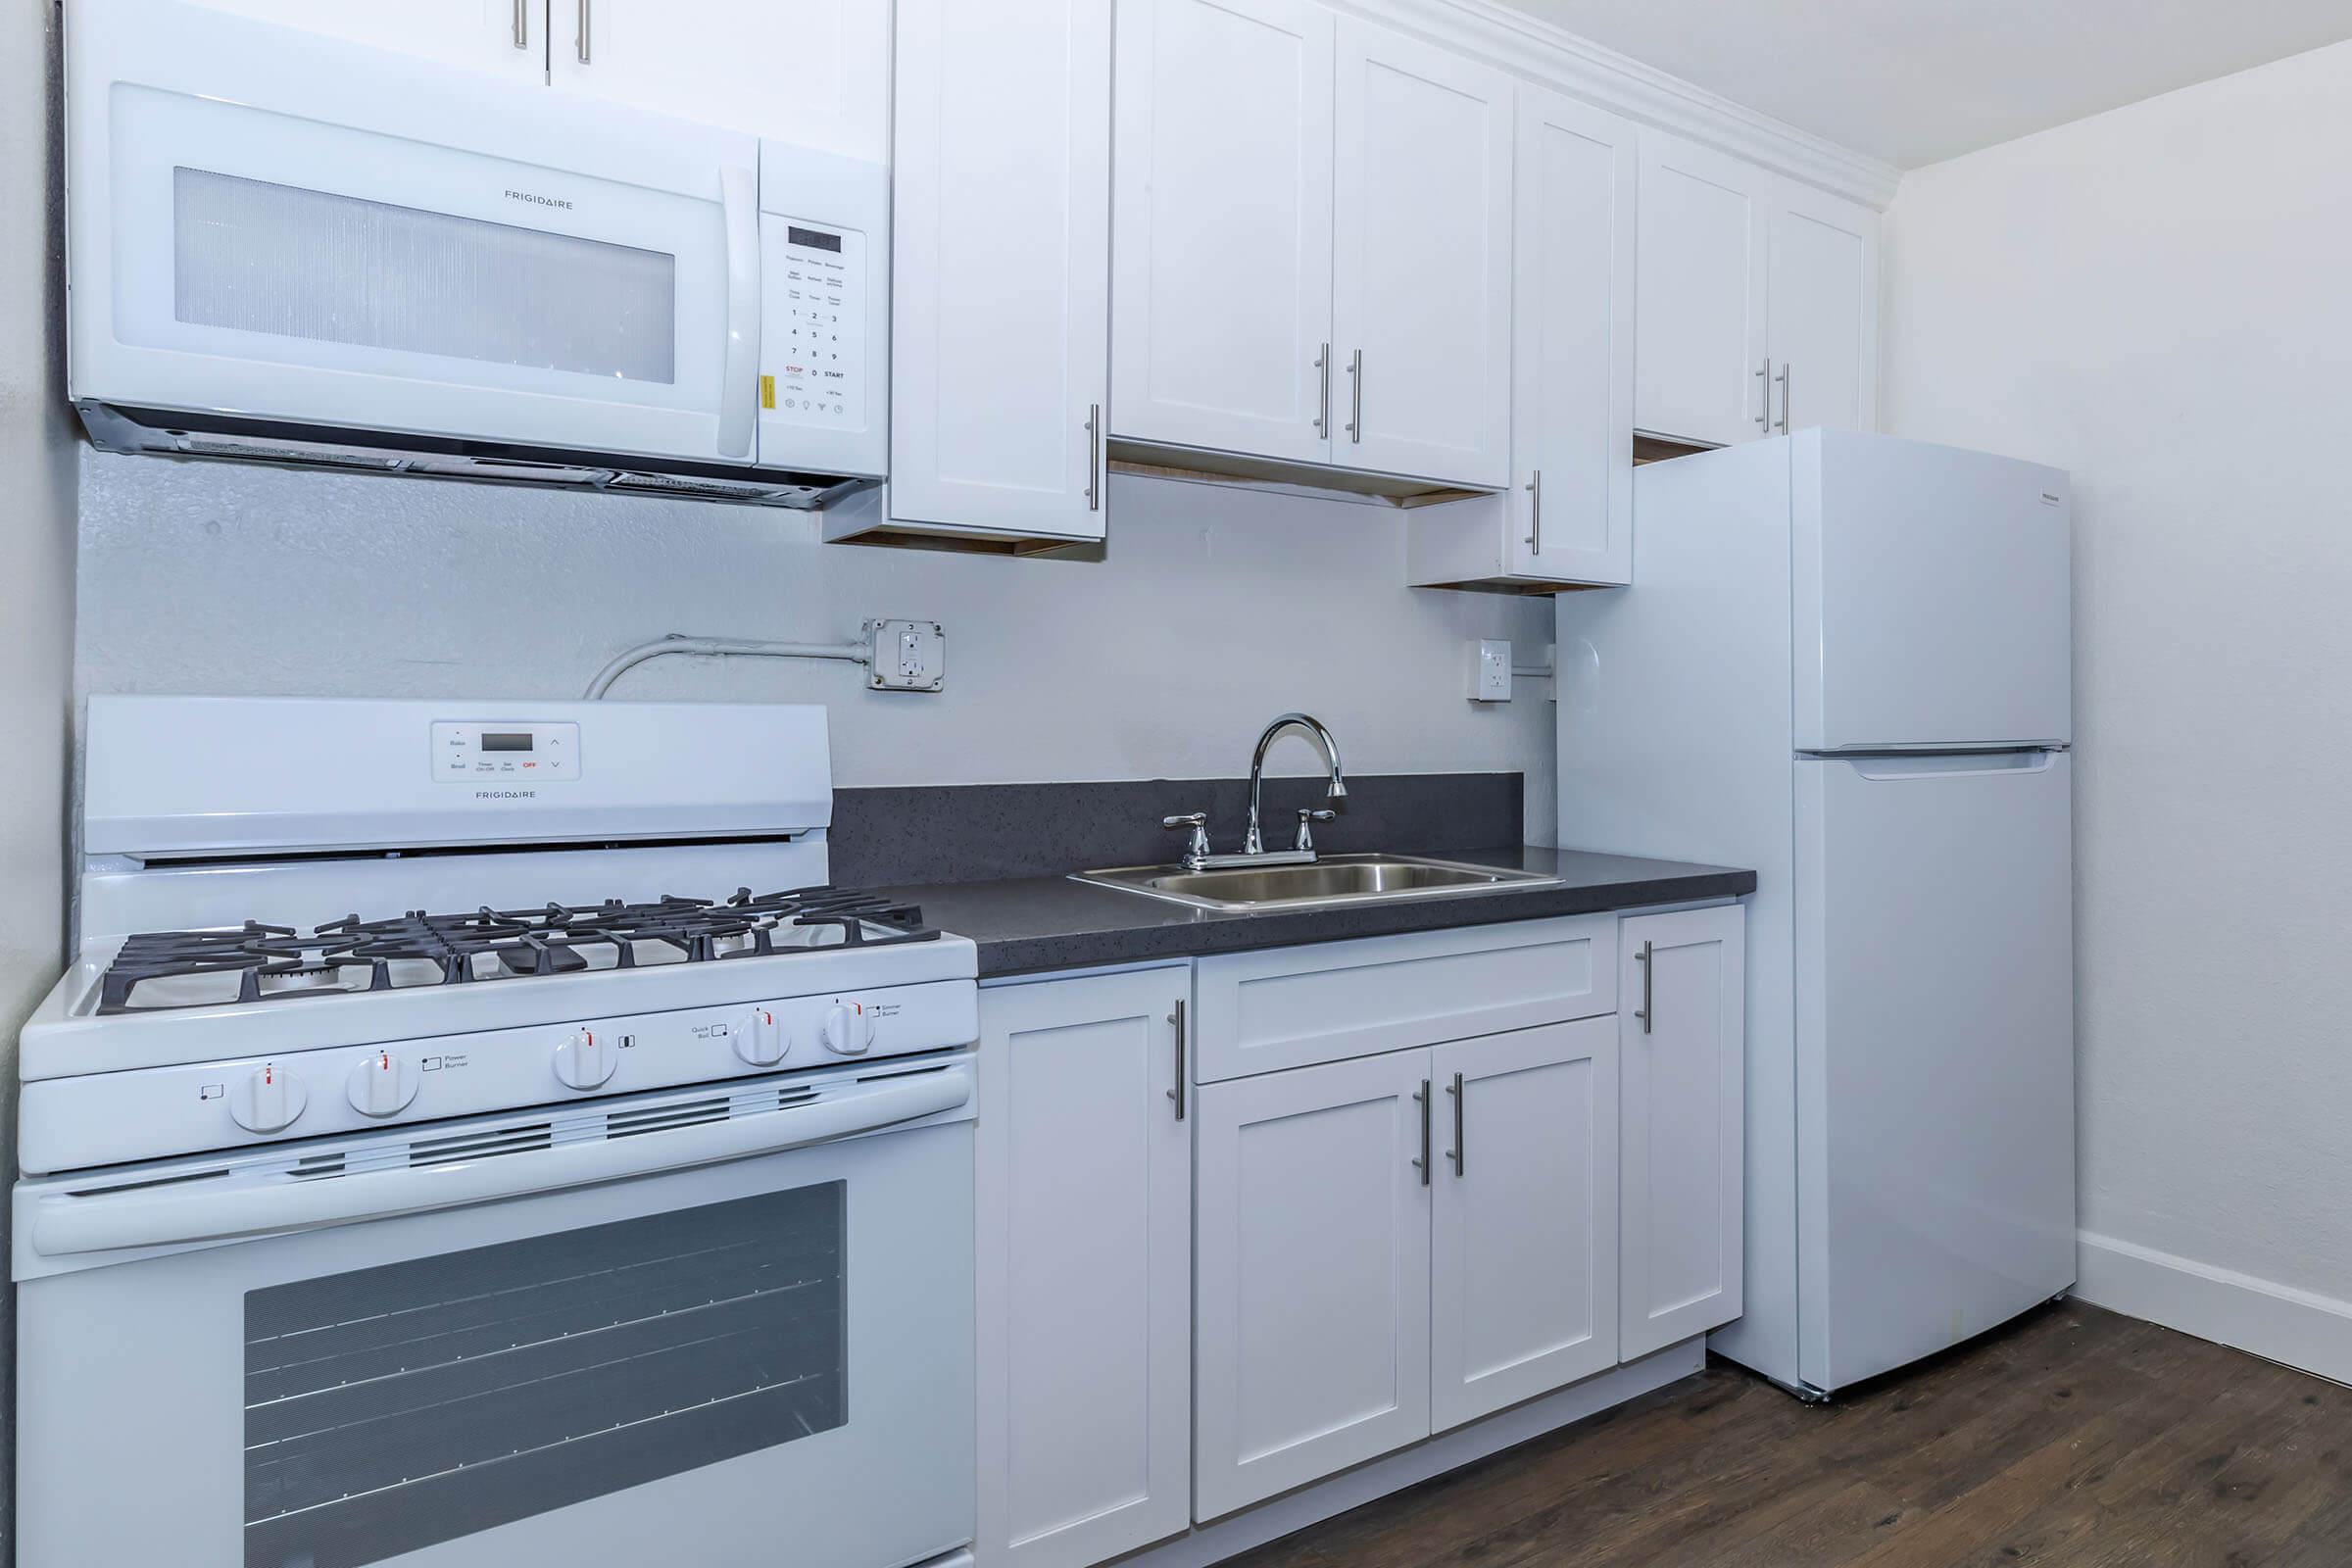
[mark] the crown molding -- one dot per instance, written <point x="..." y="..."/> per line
<point x="1551" y="56"/>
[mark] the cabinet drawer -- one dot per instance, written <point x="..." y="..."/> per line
<point x="1290" y="1006"/>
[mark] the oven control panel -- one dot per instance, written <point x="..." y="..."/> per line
<point x="505" y="754"/>
<point x="145" y="1113"/>
<point x="817" y="377"/>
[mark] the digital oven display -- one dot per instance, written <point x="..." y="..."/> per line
<point x="493" y="741"/>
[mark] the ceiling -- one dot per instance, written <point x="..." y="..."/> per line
<point x="1914" y="81"/>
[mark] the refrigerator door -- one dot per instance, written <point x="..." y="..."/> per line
<point x="1935" y="1052"/>
<point x="1929" y="605"/>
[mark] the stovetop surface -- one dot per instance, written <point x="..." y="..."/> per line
<point x="168" y="970"/>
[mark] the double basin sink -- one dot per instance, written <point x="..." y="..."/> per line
<point x="1334" y="879"/>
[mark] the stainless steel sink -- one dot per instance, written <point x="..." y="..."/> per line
<point x="1333" y="879"/>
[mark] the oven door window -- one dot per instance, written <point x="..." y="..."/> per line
<point x="391" y="1408"/>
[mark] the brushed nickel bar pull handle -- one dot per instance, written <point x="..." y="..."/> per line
<point x="1177" y="1094"/>
<point x="1323" y="406"/>
<point x="522" y="23"/>
<point x="1764" y="394"/>
<point x="585" y="23"/>
<point x="1787" y="392"/>
<point x="1459" y="1152"/>
<point x="1534" y="512"/>
<point x="1355" y="380"/>
<point x="1421" y="1097"/>
<point x="1093" y="457"/>
<point x="1649" y="970"/>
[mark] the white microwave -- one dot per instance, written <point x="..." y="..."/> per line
<point x="288" y="248"/>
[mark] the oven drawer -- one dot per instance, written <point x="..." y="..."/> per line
<point x="729" y="1364"/>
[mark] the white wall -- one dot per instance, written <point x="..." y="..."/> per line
<point x="2160" y="299"/>
<point x="1216" y="609"/>
<point x="37" y="586"/>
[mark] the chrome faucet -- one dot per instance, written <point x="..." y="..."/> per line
<point x="1199" y="857"/>
<point x="1335" y="787"/>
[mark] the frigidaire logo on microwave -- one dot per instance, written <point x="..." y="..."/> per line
<point x="537" y="200"/>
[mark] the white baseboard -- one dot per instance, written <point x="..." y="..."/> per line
<point x="2278" y="1322"/>
<point x="1277" y="1517"/>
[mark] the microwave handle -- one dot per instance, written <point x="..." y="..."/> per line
<point x="165" y="1216"/>
<point x="738" y="394"/>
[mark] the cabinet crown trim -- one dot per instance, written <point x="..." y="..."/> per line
<point x="1535" y="49"/>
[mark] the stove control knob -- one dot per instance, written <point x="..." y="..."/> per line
<point x="383" y="1084"/>
<point x="759" y="1038"/>
<point x="585" y="1059"/>
<point x="848" y="1029"/>
<point x="268" y="1100"/>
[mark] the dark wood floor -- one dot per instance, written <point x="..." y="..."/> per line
<point x="2073" y="1437"/>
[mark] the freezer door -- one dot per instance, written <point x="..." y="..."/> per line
<point x="1929" y="597"/>
<point x="1935" y="1071"/>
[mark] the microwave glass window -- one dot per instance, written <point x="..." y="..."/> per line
<point x="395" y="1407"/>
<point x="258" y="257"/>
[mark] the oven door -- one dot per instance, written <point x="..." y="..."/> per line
<point x="757" y="1360"/>
<point x="266" y="224"/>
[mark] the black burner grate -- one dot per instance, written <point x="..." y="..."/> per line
<point x="558" y="939"/>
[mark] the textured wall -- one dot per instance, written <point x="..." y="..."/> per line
<point x="37" y="582"/>
<point x="1216" y="609"/>
<point x="2160" y="299"/>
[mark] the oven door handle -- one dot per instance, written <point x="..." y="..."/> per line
<point x="174" y="1215"/>
<point x="739" y="365"/>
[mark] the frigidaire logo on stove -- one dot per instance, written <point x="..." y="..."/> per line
<point x="505" y="795"/>
<point x="537" y="200"/>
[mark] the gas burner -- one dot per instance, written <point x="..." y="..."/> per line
<point x="163" y="970"/>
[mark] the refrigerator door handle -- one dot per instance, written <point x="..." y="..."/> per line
<point x="1948" y="765"/>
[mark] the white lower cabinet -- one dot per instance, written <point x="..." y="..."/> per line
<point x="1084" y="1193"/>
<point x="1682" y="1056"/>
<point x="1313" y="1290"/>
<point x="1523" y="1256"/>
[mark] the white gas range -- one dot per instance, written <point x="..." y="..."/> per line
<point x="475" y="1133"/>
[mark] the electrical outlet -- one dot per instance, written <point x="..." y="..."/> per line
<point x="1491" y="670"/>
<point x="906" y="656"/>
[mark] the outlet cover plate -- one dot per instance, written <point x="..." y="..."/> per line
<point x="907" y="655"/>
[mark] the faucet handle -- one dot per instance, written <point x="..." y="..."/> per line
<point x="1195" y="848"/>
<point x="1306" y="837"/>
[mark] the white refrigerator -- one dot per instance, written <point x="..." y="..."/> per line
<point x="1845" y="661"/>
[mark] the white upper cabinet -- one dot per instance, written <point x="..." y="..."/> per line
<point x="816" y="75"/>
<point x="1000" y="379"/>
<point x="1523" y="1265"/>
<point x="1824" y="312"/>
<point x="1700" y="346"/>
<point x="505" y="37"/>
<point x="1683" y="1065"/>
<point x="1572" y="409"/>
<point x="1221" y="251"/>
<point x="1421" y="279"/>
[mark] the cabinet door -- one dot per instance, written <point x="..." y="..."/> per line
<point x="1824" y="312"/>
<point x="1572" y="412"/>
<point x="1314" y="1258"/>
<point x="1523" y="1252"/>
<point x="1421" y="280"/>
<point x="505" y="37"/>
<point x="1002" y="249"/>
<point x="1682" y="1068"/>
<point x="814" y="74"/>
<point x="1221" y="244"/>
<point x="1084" y="1285"/>
<point x="1698" y="355"/>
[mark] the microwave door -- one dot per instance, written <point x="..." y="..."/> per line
<point x="274" y="225"/>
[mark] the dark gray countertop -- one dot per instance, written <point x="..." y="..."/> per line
<point x="1026" y="924"/>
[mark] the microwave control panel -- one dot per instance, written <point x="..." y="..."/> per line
<point x="818" y="373"/>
